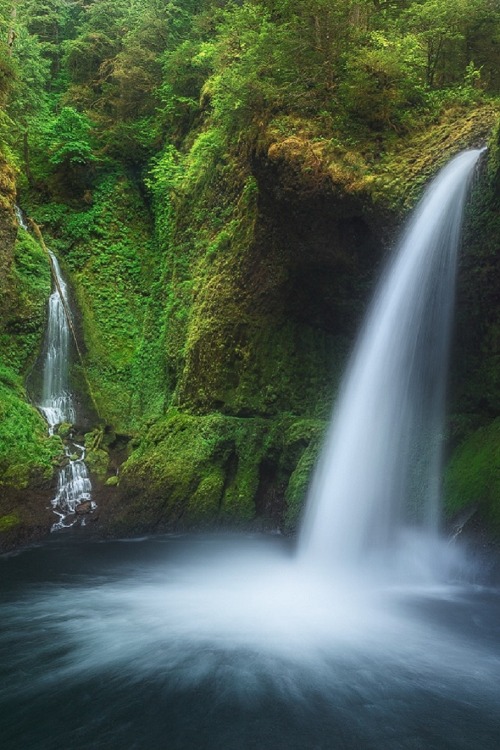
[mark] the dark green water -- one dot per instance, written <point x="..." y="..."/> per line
<point x="225" y="643"/>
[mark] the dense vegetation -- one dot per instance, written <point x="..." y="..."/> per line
<point x="220" y="180"/>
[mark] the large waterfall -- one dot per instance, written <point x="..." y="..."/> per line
<point x="57" y="404"/>
<point x="379" y="472"/>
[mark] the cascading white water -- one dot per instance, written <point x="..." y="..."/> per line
<point x="57" y="402"/>
<point x="379" y="471"/>
<point x="74" y="487"/>
<point x="20" y="218"/>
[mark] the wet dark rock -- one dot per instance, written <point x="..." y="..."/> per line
<point x="83" y="508"/>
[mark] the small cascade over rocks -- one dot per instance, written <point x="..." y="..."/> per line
<point x="74" y="488"/>
<point x="375" y="497"/>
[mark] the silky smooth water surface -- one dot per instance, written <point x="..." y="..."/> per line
<point x="227" y="643"/>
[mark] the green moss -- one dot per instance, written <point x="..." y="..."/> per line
<point x="406" y="167"/>
<point x="9" y="522"/>
<point x="204" y="504"/>
<point x="179" y="457"/>
<point x="64" y="430"/>
<point x="473" y="474"/>
<point x="476" y="366"/>
<point x="7" y="234"/>
<point x="229" y="344"/>
<point x="210" y="469"/>
<point x="30" y="285"/>
<point x="97" y="462"/>
<point x="390" y="170"/>
<point x="27" y="453"/>
<point x="298" y="485"/>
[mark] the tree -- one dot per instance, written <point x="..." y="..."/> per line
<point x="445" y="29"/>
<point x="68" y="139"/>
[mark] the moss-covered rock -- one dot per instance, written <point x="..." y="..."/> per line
<point x="473" y="475"/>
<point x="388" y="170"/>
<point x="26" y="451"/>
<point x="8" y="231"/>
<point x="9" y="522"/>
<point x="98" y="462"/>
<point x="268" y="266"/>
<point x="210" y="470"/>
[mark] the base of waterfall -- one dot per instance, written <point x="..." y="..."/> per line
<point x="209" y="642"/>
<point x="73" y="500"/>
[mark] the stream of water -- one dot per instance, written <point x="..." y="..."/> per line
<point x="388" y="641"/>
<point x="57" y="402"/>
<point x="73" y="483"/>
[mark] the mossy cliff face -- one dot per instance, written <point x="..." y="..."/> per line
<point x="267" y="278"/>
<point x="210" y="470"/>
<point x="474" y="466"/>
<point x="27" y="454"/>
<point x="270" y="266"/>
<point x="214" y="341"/>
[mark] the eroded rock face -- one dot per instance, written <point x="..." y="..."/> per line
<point x="278" y="309"/>
<point x="272" y="321"/>
<point x="472" y="477"/>
<point x="275" y="312"/>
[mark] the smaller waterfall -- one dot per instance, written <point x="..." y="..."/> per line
<point x="57" y="405"/>
<point x="57" y="402"/>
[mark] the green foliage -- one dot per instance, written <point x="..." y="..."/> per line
<point x="68" y="139"/>
<point x="7" y="75"/>
<point x="111" y="257"/>
<point x="383" y="87"/>
<point x="27" y="454"/>
<point x="30" y="284"/>
<point x="163" y="181"/>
